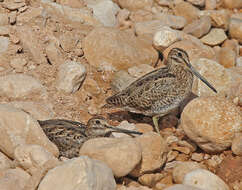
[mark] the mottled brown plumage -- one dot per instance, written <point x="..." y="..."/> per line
<point x="70" y="135"/>
<point x="160" y="91"/>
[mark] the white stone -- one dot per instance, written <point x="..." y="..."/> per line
<point x="165" y="37"/>
<point x="79" y="174"/>
<point x="105" y="11"/>
<point x="205" y="180"/>
<point x="20" y="86"/>
<point x="70" y="76"/>
<point x="4" y="42"/>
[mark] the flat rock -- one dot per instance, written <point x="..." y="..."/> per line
<point x="79" y="173"/>
<point x="20" y="86"/>
<point x="120" y="154"/>
<point x="121" y="80"/>
<point x="54" y="54"/>
<point x="154" y="151"/>
<point x="211" y="122"/>
<point x="20" y="129"/>
<point x="120" y="49"/>
<point x="14" y="179"/>
<point x="4" y="31"/>
<point x="198" y="27"/>
<point x="4" y="42"/>
<point x="70" y="76"/>
<point x="3" y="19"/>
<point x="215" y="37"/>
<point x="183" y="168"/>
<point x="18" y="64"/>
<point x="105" y="11"/>
<point x="140" y="70"/>
<point x="204" y="179"/>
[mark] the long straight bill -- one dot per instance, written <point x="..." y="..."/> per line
<point x="118" y="130"/>
<point x="202" y="78"/>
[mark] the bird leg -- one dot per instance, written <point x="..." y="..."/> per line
<point x="156" y="123"/>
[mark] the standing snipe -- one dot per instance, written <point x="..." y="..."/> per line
<point x="70" y="135"/>
<point x="160" y="91"/>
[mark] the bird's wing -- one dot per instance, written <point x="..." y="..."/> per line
<point x="142" y="93"/>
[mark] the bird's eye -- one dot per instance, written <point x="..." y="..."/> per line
<point x="179" y="54"/>
<point x="97" y="122"/>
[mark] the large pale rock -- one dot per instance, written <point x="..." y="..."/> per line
<point x="79" y="173"/>
<point x="134" y="5"/>
<point x="38" y="110"/>
<point x="165" y="37"/>
<point x="20" y="86"/>
<point x="5" y="162"/>
<point x="121" y="80"/>
<point x="183" y="168"/>
<point x="4" y="42"/>
<point x="18" y="128"/>
<point x="181" y="187"/>
<point x="3" y="19"/>
<point x="70" y="76"/>
<point x="120" y="154"/>
<point x="54" y="54"/>
<point x="198" y="27"/>
<point x="204" y="179"/>
<point x="120" y="49"/>
<point x="32" y="157"/>
<point x="140" y="70"/>
<point x="211" y="122"/>
<point x="215" y="37"/>
<point x="215" y="73"/>
<point x="154" y="151"/>
<point x="14" y="179"/>
<point x="186" y="10"/>
<point x="105" y="11"/>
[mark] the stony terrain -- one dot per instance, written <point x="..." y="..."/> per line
<point x="61" y="59"/>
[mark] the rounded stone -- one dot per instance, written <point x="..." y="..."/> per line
<point x="211" y="122"/>
<point x="204" y="179"/>
<point x="215" y="37"/>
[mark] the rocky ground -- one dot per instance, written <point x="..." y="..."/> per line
<point x="61" y="59"/>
